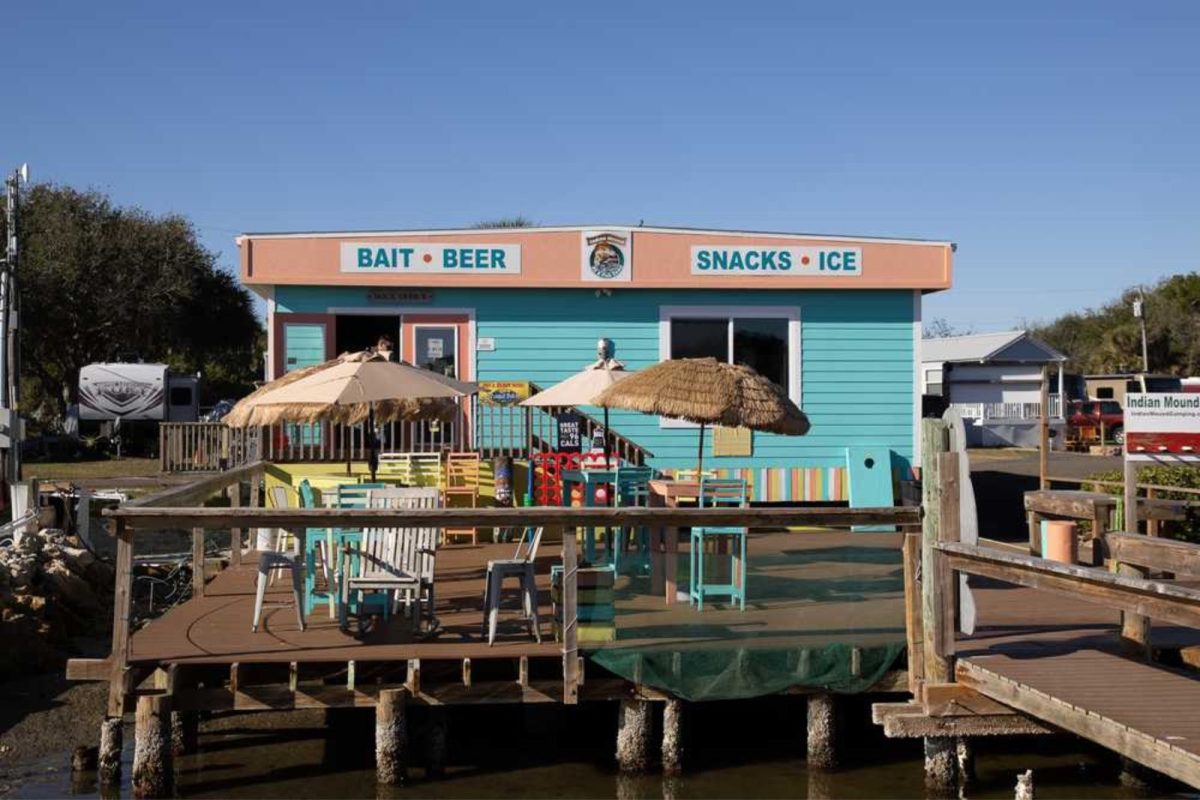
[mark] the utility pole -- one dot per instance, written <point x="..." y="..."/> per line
<point x="1139" y="312"/>
<point x="10" y="385"/>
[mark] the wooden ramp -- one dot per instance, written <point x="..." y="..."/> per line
<point x="1143" y="711"/>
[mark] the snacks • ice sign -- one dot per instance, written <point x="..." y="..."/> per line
<point x="392" y="258"/>
<point x="831" y="261"/>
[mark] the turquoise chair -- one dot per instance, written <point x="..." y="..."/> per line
<point x="632" y="488"/>
<point x="719" y="492"/>
<point x="312" y="540"/>
<point x="354" y="495"/>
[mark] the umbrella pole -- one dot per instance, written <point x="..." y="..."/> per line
<point x="372" y="458"/>
<point x="700" y="455"/>
<point x="606" y="451"/>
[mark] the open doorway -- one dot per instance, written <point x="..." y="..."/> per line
<point x="355" y="332"/>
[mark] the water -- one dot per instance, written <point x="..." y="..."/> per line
<point x="750" y="749"/>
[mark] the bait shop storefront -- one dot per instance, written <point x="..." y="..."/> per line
<point x="834" y="320"/>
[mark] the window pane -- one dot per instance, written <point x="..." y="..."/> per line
<point x="699" y="338"/>
<point x="762" y="345"/>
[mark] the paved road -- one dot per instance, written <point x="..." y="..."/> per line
<point x="1001" y="478"/>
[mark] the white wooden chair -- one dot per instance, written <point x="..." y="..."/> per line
<point x="395" y="561"/>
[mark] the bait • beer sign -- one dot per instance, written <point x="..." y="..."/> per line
<point x="768" y="261"/>
<point x="606" y="257"/>
<point x="399" y="258"/>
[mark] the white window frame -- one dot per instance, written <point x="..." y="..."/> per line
<point x="416" y="326"/>
<point x="790" y="313"/>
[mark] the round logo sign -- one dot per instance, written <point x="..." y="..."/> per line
<point x="607" y="260"/>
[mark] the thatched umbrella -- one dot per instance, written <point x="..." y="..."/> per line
<point x="353" y="388"/>
<point x="708" y="392"/>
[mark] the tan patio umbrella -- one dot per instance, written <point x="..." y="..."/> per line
<point x="708" y="392"/>
<point x="350" y="389"/>
<point x="582" y="388"/>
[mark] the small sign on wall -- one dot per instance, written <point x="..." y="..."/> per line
<point x="486" y="344"/>
<point x="570" y="433"/>
<point x="606" y="256"/>
<point x="503" y="393"/>
<point x="733" y="442"/>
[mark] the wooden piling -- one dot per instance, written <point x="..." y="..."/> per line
<point x="633" y="735"/>
<point x="672" y="737"/>
<point x="1024" y="789"/>
<point x="112" y="735"/>
<point x="822" y="732"/>
<point x="391" y="737"/>
<point x="185" y="732"/>
<point x="965" y="753"/>
<point x="152" y="763"/>
<point x="941" y="766"/>
<point x="438" y="741"/>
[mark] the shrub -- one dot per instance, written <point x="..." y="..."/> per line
<point x="1185" y="477"/>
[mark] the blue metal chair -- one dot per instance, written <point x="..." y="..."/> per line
<point x="719" y="492"/>
<point x="632" y="488"/>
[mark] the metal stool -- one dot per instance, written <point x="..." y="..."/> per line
<point x="271" y="561"/>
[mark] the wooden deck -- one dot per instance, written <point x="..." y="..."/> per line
<point x="1057" y="660"/>
<point x="805" y="590"/>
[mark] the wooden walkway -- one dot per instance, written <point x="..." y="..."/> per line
<point x="1058" y="660"/>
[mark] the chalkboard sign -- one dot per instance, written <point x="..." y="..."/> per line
<point x="570" y="433"/>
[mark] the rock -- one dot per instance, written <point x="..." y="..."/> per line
<point x="22" y="568"/>
<point x="77" y="559"/>
<point x="71" y="588"/>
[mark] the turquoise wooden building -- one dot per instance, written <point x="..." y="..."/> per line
<point x="835" y="320"/>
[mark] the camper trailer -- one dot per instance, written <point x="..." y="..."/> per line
<point x="1115" y="386"/>
<point x="137" y="392"/>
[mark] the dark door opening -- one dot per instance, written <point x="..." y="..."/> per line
<point x="355" y="332"/>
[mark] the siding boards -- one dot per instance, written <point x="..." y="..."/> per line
<point x="856" y="360"/>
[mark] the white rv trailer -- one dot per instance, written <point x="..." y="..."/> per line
<point x="133" y="392"/>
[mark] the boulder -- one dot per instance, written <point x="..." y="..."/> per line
<point x="65" y="584"/>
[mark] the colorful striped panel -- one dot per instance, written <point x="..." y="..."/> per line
<point x="792" y="484"/>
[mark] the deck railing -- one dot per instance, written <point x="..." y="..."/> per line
<point x="1022" y="411"/>
<point x="182" y="507"/>
<point x="512" y="431"/>
<point x="935" y="558"/>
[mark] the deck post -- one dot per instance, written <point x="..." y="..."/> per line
<point x="185" y="732"/>
<point x="122" y="609"/>
<point x="152" y="762"/>
<point x="822" y="732"/>
<point x="112" y="735"/>
<point x="438" y="736"/>
<point x="235" y="534"/>
<point x="198" y="562"/>
<point x="672" y="737"/>
<point x="391" y="737"/>
<point x="570" y="622"/>
<point x="941" y="766"/>
<point x="633" y="735"/>
<point x="940" y="752"/>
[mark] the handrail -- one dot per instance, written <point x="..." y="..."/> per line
<point x="196" y="490"/>
<point x="1151" y="486"/>
<point x="1152" y="598"/>
<point x="145" y="516"/>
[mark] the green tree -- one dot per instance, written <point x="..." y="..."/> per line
<point x="519" y="221"/>
<point x="1109" y="339"/>
<point x="99" y="282"/>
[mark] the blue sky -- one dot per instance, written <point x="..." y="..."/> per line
<point x="1057" y="143"/>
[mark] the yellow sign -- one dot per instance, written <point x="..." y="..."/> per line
<point x="503" y="393"/>
<point x="732" y="442"/>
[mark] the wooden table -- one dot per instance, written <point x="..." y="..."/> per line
<point x="588" y="479"/>
<point x="664" y="542"/>
<point x="1096" y="507"/>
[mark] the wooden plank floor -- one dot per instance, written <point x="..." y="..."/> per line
<point x="1057" y="659"/>
<point x="805" y="589"/>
